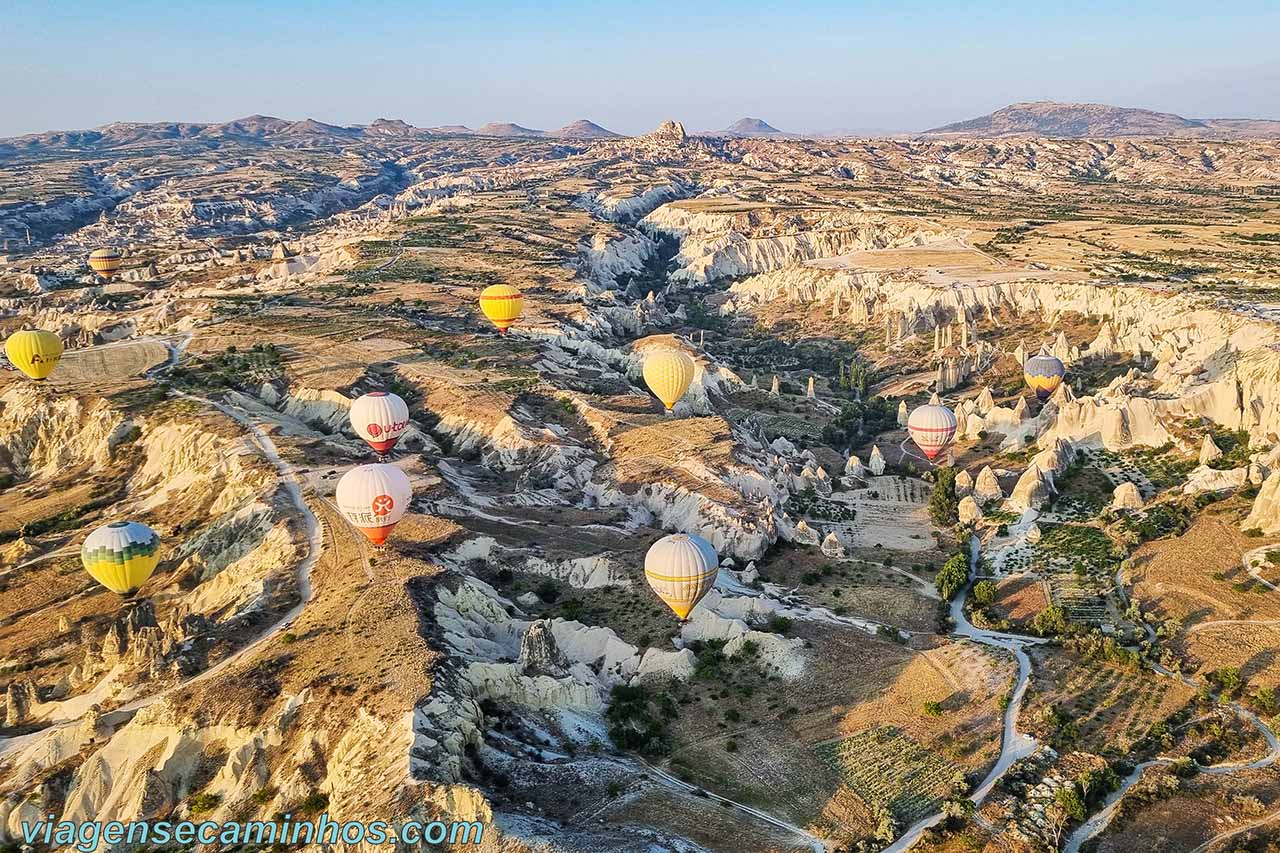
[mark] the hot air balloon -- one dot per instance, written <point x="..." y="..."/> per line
<point x="1043" y="374"/>
<point x="374" y="498"/>
<point x="104" y="262"/>
<point x="932" y="428"/>
<point x="668" y="373"/>
<point x="681" y="569"/>
<point x="502" y="304"/>
<point x="380" y="419"/>
<point x="121" y="555"/>
<point x="34" y="351"/>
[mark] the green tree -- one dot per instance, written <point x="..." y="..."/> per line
<point x="943" y="503"/>
<point x="1051" y="621"/>
<point x="953" y="575"/>
<point x="1069" y="800"/>
<point x="984" y="593"/>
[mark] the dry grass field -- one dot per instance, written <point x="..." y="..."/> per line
<point x="1194" y="577"/>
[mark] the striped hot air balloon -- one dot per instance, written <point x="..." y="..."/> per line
<point x="681" y="569"/>
<point x="932" y="428"/>
<point x="34" y="351"/>
<point x="380" y="419"/>
<point x="502" y="304"/>
<point x="374" y="498"/>
<point x="668" y="373"/>
<point x="1043" y="374"/>
<point x="121" y="555"/>
<point x="104" y="262"/>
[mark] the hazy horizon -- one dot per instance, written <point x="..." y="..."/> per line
<point x="822" y="67"/>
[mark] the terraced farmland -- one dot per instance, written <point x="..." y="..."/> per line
<point x="884" y="765"/>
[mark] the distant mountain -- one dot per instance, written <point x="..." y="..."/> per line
<point x="584" y="129"/>
<point x="1049" y="118"/>
<point x="752" y="127"/>
<point x="506" y="128"/>
<point x="451" y="129"/>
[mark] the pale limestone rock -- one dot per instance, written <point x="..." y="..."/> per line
<point x="1265" y="514"/>
<point x="964" y="483"/>
<point x="1206" y="479"/>
<point x="935" y="400"/>
<point x="968" y="511"/>
<point x="809" y="390"/>
<point x="987" y="487"/>
<point x="1126" y="496"/>
<point x="1020" y="410"/>
<point x="1034" y="534"/>
<point x="986" y="402"/>
<point x="1032" y="491"/>
<point x="902" y="413"/>
<point x="1208" y="450"/>
<point x="804" y="534"/>
<point x="855" y="469"/>
<point x="832" y="546"/>
<point x="876" y="462"/>
<point x="775" y="389"/>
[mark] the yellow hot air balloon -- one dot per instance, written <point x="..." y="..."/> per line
<point x="34" y="351"/>
<point x="668" y="373"/>
<point x="1043" y="374"/>
<point x="104" y="261"/>
<point x="121" y="555"/>
<point x="502" y="304"/>
<point x="681" y="569"/>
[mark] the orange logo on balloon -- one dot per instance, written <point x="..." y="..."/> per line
<point x="382" y="505"/>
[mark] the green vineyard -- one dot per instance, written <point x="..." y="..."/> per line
<point x="884" y="765"/>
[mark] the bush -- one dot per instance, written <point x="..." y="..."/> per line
<point x="201" y="803"/>
<point x="933" y="709"/>
<point x="984" y="593"/>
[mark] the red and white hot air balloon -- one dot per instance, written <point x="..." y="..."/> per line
<point x="374" y="498"/>
<point x="380" y="419"/>
<point x="932" y="428"/>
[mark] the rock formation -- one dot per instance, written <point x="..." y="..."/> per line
<point x="987" y="487"/>
<point x="876" y="462"/>
<point x="1126" y="496"/>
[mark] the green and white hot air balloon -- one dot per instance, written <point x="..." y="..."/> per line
<point x="121" y="555"/>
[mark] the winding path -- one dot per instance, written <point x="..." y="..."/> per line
<point x="292" y="482"/>
<point x="1015" y="745"/>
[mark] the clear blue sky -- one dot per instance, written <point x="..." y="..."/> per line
<point x="810" y="66"/>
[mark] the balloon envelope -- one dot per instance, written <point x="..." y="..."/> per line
<point x="380" y="419"/>
<point x="668" y="373"/>
<point x="502" y="304"/>
<point x="1043" y="374"/>
<point x="121" y="555"/>
<point x="34" y="351"/>
<point x="681" y="569"/>
<point x="932" y="428"/>
<point x="104" y="261"/>
<point x="374" y="498"/>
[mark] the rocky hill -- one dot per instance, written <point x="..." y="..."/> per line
<point x="1053" y="119"/>
<point x="584" y="129"/>
<point x="752" y="127"/>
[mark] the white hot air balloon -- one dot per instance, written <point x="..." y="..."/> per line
<point x="380" y="419"/>
<point x="374" y="498"/>
<point x="681" y="569"/>
<point x="932" y="428"/>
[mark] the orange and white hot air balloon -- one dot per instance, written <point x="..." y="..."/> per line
<point x="681" y="569"/>
<point x="380" y="419"/>
<point x="374" y="498"/>
<point x="932" y="428"/>
<point x="104" y="262"/>
<point x="502" y="304"/>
